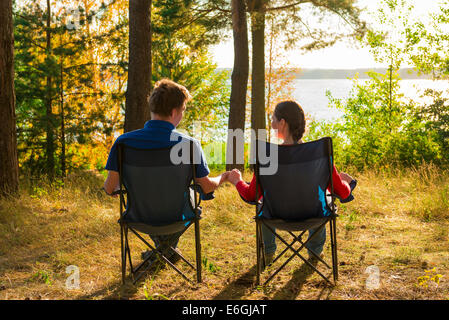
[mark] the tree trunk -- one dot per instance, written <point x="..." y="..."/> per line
<point x="9" y="169"/>
<point x="139" y="68"/>
<point x="50" y="143"/>
<point x="62" y="137"/>
<point x="238" y="87"/>
<point x="258" y="67"/>
<point x="270" y="77"/>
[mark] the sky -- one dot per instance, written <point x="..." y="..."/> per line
<point x="340" y="56"/>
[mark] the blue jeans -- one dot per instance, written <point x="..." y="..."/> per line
<point x="316" y="244"/>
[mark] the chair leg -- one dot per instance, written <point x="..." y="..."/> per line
<point x="258" y="255"/>
<point x="296" y="253"/>
<point x="333" y="237"/>
<point x="334" y="230"/>
<point x="331" y="233"/>
<point x="160" y="255"/>
<point x="198" y="251"/>
<point x="128" y="251"/>
<point x="123" y="253"/>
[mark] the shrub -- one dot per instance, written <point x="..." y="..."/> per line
<point x="379" y="127"/>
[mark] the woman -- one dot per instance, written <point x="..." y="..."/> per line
<point x="289" y="121"/>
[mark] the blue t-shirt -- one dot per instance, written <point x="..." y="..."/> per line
<point x="156" y="134"/>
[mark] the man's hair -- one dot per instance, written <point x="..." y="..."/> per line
<point x="168" y="95"/>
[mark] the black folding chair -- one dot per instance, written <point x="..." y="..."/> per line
<point x="295" y="200"/>
<point x="156" y="199"/>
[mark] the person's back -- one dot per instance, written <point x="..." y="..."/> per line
<point x="289" y="121"/>
<point x="157" y="189"/>
<point x="167" y="105"/>
<point x="297" y="190"/>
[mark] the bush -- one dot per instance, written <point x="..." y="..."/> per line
<point x="377" y="130"/>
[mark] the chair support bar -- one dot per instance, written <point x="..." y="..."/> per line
<point x="296" y="251"/>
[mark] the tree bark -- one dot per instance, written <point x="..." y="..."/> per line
<point x="258" y="66"/>
<point x="50" y="140"/>
<point x="62" y="115"/>
<point x="239" y="86"/>
<point x="9" y="169"/>
<point x="139" y="68"/>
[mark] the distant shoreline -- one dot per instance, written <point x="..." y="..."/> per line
<point x="404" y="73"/>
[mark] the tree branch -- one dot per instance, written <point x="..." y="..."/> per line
<point x="286" y="6"/>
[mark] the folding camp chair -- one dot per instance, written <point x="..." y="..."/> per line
<point x="295" y="200"/>
<point x="156" y="199"/>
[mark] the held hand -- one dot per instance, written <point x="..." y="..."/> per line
<point x="234" y="176"/>
<point x="110" y="194"/>
<point x="346" y="177"/>
<point x="224" y="177"/>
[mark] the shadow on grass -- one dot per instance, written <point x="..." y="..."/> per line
<point x="120" y="291"/>
<point x="294" y="286"/>
<point x="115" y="291"/>
<point x="237" y="288"/>
<point x="290" y="291"/>
<point x="325" y="293"/>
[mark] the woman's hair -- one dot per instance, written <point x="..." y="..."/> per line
<point x="166" y="96"/>
<point x="293" y="114"/>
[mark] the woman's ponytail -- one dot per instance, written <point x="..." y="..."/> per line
<point x="293" y="114"/>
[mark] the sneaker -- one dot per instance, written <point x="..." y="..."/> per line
<point x="314" y="260"/>
<point x="269" y="257"/>
<point x="148" y="253"/>
<point x="175" y="257"/>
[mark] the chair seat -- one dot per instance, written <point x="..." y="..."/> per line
<point x="159" y="230"/>
<point x="295" y="225"/>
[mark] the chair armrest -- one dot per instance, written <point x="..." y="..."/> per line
<point x="248" y="202"/>
<point x="352" y="185"/>
<point x="116" y="192"/>
<point x="203" y="196"/>
<point x="119" y="192"/>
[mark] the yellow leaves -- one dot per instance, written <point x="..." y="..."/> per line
<point x="431" y="276"/>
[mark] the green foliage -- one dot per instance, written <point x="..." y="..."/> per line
<point x="57" y="97"/>
<point x="436" y="117"/>
<point x="380" y="127"/>
<point x="376" y="131"/>
<point x="42" y="276"/>
<point x="427" y="43"/>
<point x="87" y="68"/>
<point x="180" y="39"/>
<point x="404" y="35"/>
<point x="386" y="42"/>
<point x="312" y="26"/>
<point x="209" y="265"/>
<point x="154" y="296"/>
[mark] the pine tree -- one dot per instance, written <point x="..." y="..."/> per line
<point x="66" y="78"/>
<point x="139" y="68"/>
<point x="239" y="84"/>
<point x="9" y="179"/>
<point x="295" y="29"/>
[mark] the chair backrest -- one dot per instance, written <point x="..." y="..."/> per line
<point x="297" y="190"/>
<point x="157" y="190"/>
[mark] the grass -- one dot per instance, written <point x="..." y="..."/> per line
<point x="398" y="224"/>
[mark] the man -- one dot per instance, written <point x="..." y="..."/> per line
<point x="167" y="105"/>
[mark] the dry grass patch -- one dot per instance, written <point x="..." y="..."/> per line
<point x="398" y="223"/>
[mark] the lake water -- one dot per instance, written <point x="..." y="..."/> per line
<point x="311" y="93"/>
